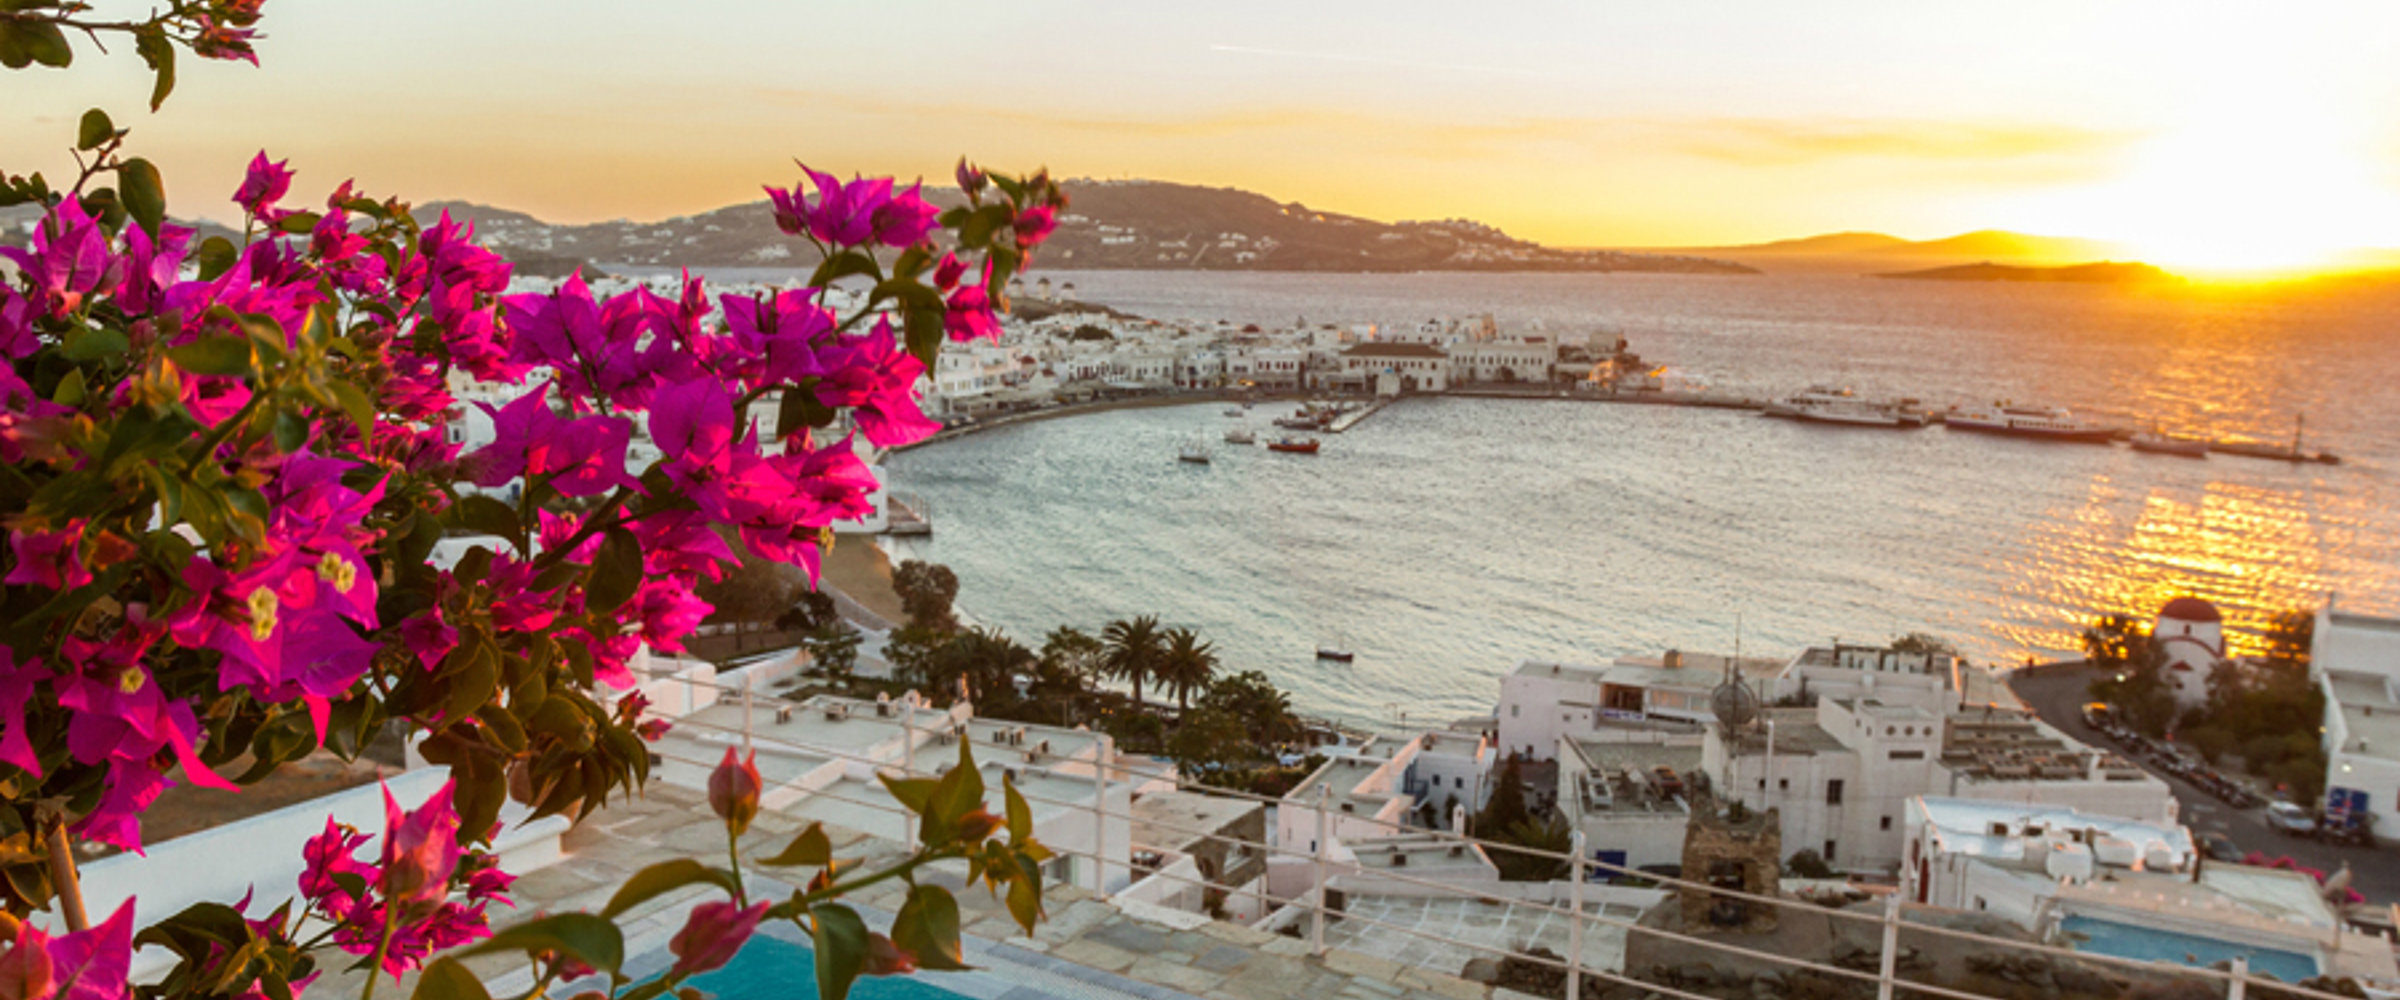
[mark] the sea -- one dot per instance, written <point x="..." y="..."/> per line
<point x="1445" y="540"/>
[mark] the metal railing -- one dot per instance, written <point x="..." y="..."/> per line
<point x="1107" y="773"/>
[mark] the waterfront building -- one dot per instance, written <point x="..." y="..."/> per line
<point x="2190" y="636"/>
<point x="2355" y="660"/>
<point x="1418" y="367"/>
<point x="2129" y="889"/>
<point x="1630" y="800"/>
<point x="1840" y="771"/>
<point x="1511" y="359"/>
<point x="1540" y="702"/>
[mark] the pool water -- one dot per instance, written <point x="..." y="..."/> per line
<point x="770" y="968"/>
<point x="2107" y="937"/>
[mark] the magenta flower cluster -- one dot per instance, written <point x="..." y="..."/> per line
<point x="407" y="887"/>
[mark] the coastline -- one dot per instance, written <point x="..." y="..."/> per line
<point x="1179" y="398"/>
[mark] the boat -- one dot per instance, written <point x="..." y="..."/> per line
<point x="1241" y="435"/>
<point x="2159" y="443"/>
<point x="1335" y="654"/>
<point x="1194" y="452"/>
<point x="1233" y="411"/>
<point x="2046" y="422"/>
<point x="1294" y="443"/>
<point x="1830" y="405"/>
<point x="1302" y="422"/>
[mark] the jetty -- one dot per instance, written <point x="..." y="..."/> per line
<point x="1352" y="418"/>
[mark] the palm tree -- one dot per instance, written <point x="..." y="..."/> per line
<point x="1133" y="647"/>
<point x="1186" y="665"/>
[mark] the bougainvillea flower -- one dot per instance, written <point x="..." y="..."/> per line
<point x="856" y="213"/>
<point x="668" y="611"/>
<point x="49" y="558"/>
<point x="92" y="964"/>
<point x="878" y="382"/>
<point x="907" y="219"/>
<point x="581" y="457"/>
<point x="1034" y="225"/>
<point x="26" y="972"/>
<point x="782" y="330"/>
<point x="885" y="958"/>
<point x="67" y="260"/>
<point x="420" y="847"/>
<point x="712" y="935"/>
<point x="967" y="315"/>
<point x="733" y="791"/>
<point x="263" y="185"/>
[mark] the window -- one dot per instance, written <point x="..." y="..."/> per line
<point x="1783" y="784"/>
<point x="1829" y="852"/>
<point x="1512" y="711"/>
<point x="1908" y="755"/>
<point x="1833" y="793"/>
<point x="1458" y="782"/>
<point x="1887" y="822"/>
<point x="1762" y="784"/>
<point x="1979" y="902"/>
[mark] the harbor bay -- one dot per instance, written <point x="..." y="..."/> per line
<point x="1448" y="538"/>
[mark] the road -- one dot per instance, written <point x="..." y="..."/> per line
<point x="2058" y="696"/>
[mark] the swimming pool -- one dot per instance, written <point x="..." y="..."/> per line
<point x="2107" y="937"/>
<point x="771" y="968"/>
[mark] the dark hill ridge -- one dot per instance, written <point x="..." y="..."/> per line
<point x="2104" y="272"/>
<point x="1149" y="225"/>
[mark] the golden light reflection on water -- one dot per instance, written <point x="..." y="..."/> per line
<point x="2252" y="551"/>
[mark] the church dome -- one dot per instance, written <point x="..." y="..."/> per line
<point x="2191" y="609"/>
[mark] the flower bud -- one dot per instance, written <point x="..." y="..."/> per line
<point x="712" y="934"/>
<point x="26" y="972"/>
<point x="887" y="959"/>
<point x="733" y="791"/>
<point x="970" y="178"/>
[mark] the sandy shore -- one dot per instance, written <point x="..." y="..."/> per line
<point x="858" y="569"/>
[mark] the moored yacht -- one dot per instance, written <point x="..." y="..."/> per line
<point x="2050" y="422"/>
<point x="1829" y="405"/>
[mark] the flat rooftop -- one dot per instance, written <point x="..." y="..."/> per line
<point x="1966" y="825"/>
<point x="1796" y="732"/>
<point x="1170" y="821"/>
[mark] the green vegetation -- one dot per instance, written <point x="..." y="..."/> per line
<point x="2132" y="674"/>
<point x="2261" y="716"/>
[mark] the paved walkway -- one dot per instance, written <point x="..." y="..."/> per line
<point x="1087" y="949"/>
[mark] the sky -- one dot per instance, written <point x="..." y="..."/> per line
<point x="2197" y="132"/>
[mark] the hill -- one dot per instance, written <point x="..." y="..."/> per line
<point x="1871" y="253"/>
<point x="2104" y="272"/>
<point x="1149" y="225"/>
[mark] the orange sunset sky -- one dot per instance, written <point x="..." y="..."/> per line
<point x="2199" y="134"/>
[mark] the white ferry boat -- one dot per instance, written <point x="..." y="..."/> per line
<point x="2049" y="422"/>
<point x="1830" y="405"/>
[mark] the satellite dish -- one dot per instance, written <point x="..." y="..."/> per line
<point x="1734" y="705"/>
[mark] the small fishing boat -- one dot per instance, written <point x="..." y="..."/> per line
<point x="1233" y="411"/>
<point x="1335" y="655"/>
<point x="1241" y="435"/>
<point x="2170" y="444"/>
<point x="1193" y="452"/>
<point x="1295" y="444"/>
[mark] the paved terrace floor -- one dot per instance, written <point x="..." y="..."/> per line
<point x="1087" y="949"/>
<point x="1452" y="928"/>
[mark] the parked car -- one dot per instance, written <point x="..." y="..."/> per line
<point x="2291" y="820"/>
<point x="2220" y="847"/>
<point x="2098" y="715"/>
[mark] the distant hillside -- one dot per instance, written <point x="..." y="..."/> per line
<point x="1108" y="225"/>
<point x="1872" y="253"/>
<point x="2105" y="272"/>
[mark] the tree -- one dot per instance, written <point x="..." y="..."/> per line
<point x="833" y="646"/>
<point x="1133" y="649"/>
<point x="1071" y="652"/>
<point x="1208" y="740"/>
<point x="1923" y="642"/>
<point x="1250" y="696"/>
<point x="814" y="610"/>
<point x="986" y="660"/>
<point x="1807" y="863"/>
<point x="1507" y="807"/>
<point x="926" y="590"/>
<point x="1186" y="665"/>
<point x="1554" y="838"/>
<point x="1088" y="331"/>
<point x="756" y="591"/>
<point x="2289" y="637"/>
<point x="2132" y="674"/>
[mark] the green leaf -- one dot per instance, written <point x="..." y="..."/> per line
<point x="979" y="227"/>
<point x="446" y="979"/>
<point x="616" y="572"/>
<point x="215" y="256"/>
<point x="299" y="223"/>
<point x="356" y="406"/>
<point x="70" y="389"/>
<point x="800" y="409"/>
<point x="663" y="877"/>
<point x="912" y="792"/>
<point x="1025" y="893"/>
<point x="927" y="927"/>
<point x="479" y="513"/>
<point x="594" y="941"/>
<point x="1020" y="816"/>
<point x="94" y="130"/>
<point x="144" y="193"/>
<point x="23" y="43"/>
<point x="156" y="50"/>
<point x="925" y="331"/>
<point x="841" y="940"/>
<point x="843" y="265"/>
<point x="92" y="345"/>
<point x="214" y="356"/>
<point x="811" y="847"/>
<point x="960" y="791"/>
<point x="504" y="728"/>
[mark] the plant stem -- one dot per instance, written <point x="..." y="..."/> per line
<point x="383" y="947"/>
<point x="63" y="881"/>
<point x="733" y="851"/>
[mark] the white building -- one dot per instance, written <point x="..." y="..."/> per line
<point x="1841" y="771"/>
<point x="1541" y="702"/>
<point x="1417" y="367"/>
<point x="2190" y="635"/>
<point x="1450" y="770"/>
<point x="1631" y="812"/>
<point x="2355" y="659"/>
<point x="1520" y="359"/>
<point x="1364" y="797"/>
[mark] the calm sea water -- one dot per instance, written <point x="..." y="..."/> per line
<point x="1447" y="539"/>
